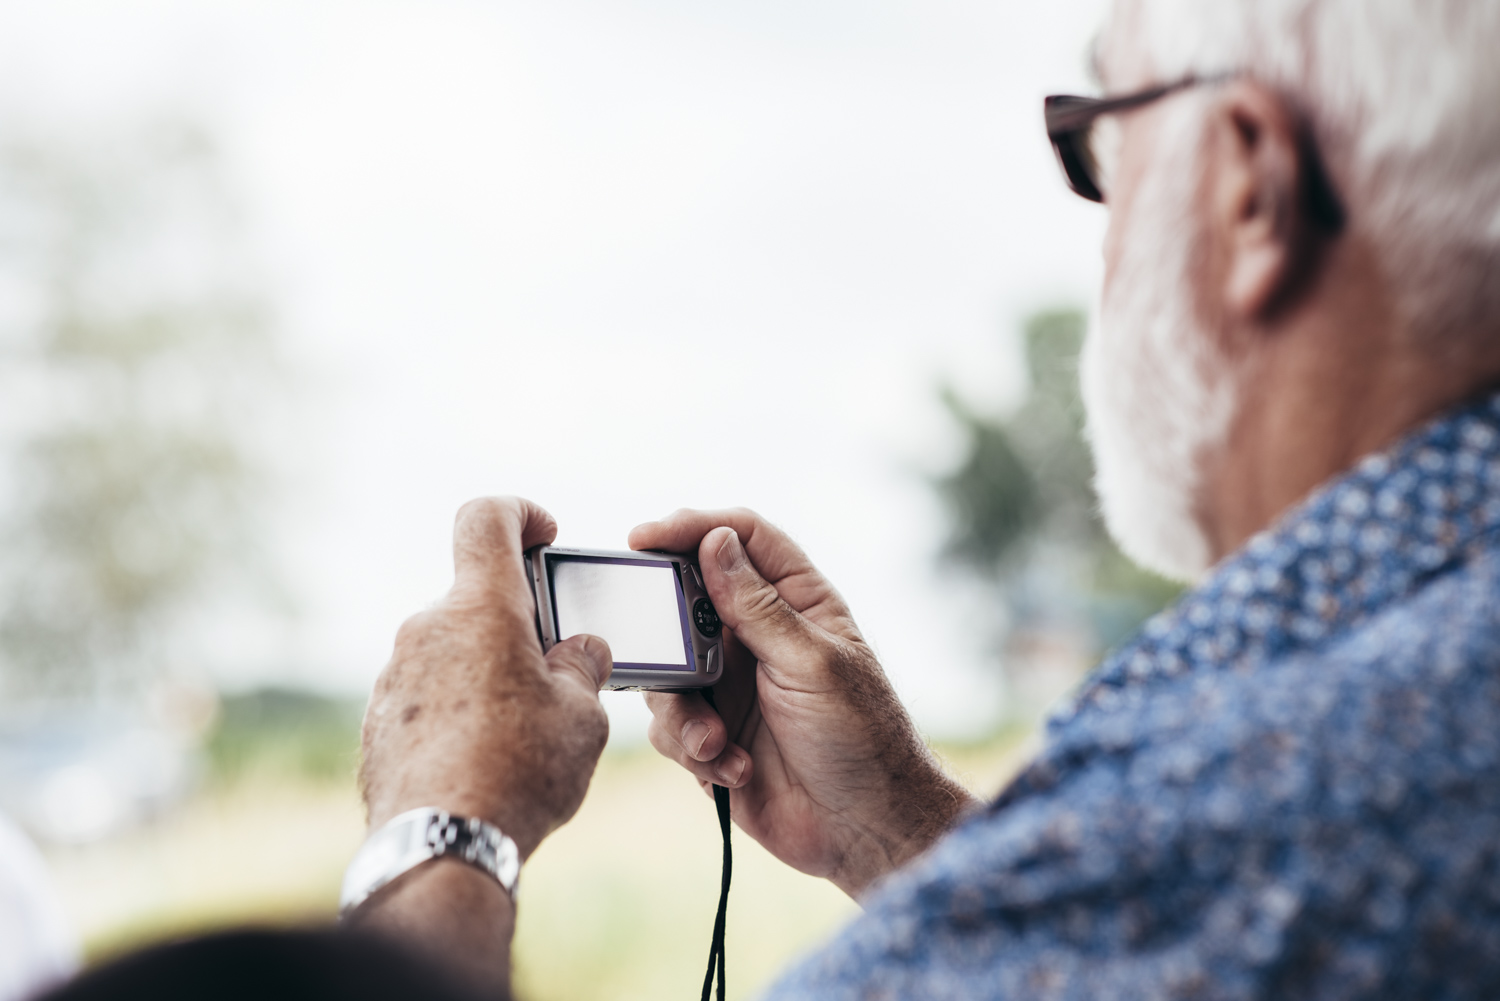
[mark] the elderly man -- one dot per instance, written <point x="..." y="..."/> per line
<point x="1288" y="786"/>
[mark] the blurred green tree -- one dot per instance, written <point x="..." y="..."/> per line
<point x="135" y="359"/>
<point x="1021" y="506"/>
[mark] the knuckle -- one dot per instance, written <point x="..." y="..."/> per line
<point x="784" y="615"/>
<point x="417" y="629"/>
<point x="667" y="709"/>
<point x="758" y="599"/>
<point x="486" y="512"/>
<point x="755" y="521"/>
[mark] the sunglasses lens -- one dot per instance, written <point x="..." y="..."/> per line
<point x="1076" y="161"/>
<point x="1087" y="141"/>
<point x="1100" y="151"/>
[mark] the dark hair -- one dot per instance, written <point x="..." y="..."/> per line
<point x="286" y="966"/>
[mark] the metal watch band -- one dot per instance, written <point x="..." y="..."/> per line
<point x="419" y="835"/>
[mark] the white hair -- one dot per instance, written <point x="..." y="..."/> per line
<point x="1400" y="97"/>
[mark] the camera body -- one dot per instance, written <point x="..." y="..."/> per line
<point x="652" y="609"/>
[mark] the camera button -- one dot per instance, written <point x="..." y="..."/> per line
<point x="705" y="618"/>
<point x="713" y="661"/>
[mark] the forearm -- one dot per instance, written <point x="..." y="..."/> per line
<point x="453" y="913"/>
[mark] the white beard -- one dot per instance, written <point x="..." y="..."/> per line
<point x="1158" y="394"/>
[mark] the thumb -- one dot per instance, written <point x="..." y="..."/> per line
<point x="583" y="659"/>
<point x="489" y="536"/>
<point x="750" y="605"/>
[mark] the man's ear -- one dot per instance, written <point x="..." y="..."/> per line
<point x="1258" y="175"/>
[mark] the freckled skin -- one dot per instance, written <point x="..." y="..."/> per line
<point x="517" y="749"/>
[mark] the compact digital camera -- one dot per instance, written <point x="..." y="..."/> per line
<point x="651" y="608"/>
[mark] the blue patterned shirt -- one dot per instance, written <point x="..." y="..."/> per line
<point x="1286" y="786"/>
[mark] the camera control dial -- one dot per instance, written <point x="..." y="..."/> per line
<point x="705" y="618"/>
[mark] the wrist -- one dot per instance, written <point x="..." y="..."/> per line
<point x="920" y="806"/>
<point x="453" y="913"/>
<point x="448" y="774"/>
<point x="521" y="825"/>
<point x="422" y="836"/>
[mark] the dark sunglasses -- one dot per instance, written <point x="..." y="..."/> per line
<point x="1084" y="153"/>
<point x="1072" y="125"/>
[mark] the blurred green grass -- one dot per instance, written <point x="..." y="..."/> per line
<point x="285" y="732"/>
<point x="616" y="905"/>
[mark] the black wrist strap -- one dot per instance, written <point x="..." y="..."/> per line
<point x="716" y="947"/>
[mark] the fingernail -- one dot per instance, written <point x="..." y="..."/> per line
<point x="694" y="736"/>
<point x="731" y="554"/>
<point x="731" y="770"/>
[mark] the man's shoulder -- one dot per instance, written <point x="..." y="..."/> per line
<point x="1364" y="753"/>
<point x="1419" y="677"/>
<point x="1445" y="624"/>
<point x="1214" y="827"/>
<point x="1438" y="646"/>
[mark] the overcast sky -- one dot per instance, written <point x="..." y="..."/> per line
<point x="619" y="256"/>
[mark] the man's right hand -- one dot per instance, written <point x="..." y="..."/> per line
<point x="824" y="767"/>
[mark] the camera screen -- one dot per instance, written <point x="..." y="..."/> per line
<point x="632" y="604"/>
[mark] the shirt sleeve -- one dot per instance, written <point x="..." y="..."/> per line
<point x="1323" y="828"/>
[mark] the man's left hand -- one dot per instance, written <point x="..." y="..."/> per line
<point x="470" y="717"/>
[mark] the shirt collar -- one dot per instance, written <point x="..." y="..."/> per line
<point x="1359" y="543"/>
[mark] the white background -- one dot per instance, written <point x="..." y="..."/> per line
<point x="619" y="256"/>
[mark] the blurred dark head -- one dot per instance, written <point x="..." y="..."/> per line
<point x="287" y="966"/>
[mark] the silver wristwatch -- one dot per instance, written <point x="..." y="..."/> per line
<point x="427" y="833"/>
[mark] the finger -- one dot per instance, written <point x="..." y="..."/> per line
<point x="689" y="720"/>
<point x="731" y="768"/>
<point x="489" y="536"/>
<point x="763" y="622"/>
<point x="583" y="659"/>
<point x="678" y="532"/>
<point x="776" y="557"/>
<point x="772" y="550"/>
